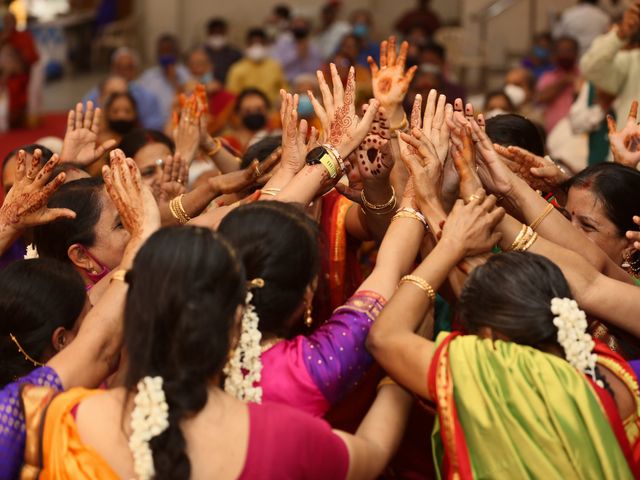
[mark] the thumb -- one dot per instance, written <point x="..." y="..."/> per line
<point x="53" y="214"/>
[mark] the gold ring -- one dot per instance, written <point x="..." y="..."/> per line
<point x="31" y="178"/>
<point x="258" y="173"/>
<point x="473" y="197"/>
<point x="179" y="181"/>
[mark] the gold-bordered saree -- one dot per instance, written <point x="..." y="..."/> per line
<point x="510" y="411"/>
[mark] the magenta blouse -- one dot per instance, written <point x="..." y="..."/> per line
<point x="311" y="373"/>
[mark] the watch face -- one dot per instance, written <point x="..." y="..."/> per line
<point x="314" y="156"/>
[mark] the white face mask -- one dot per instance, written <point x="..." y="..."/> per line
<point x="516" y="94"/>
<point x="217" y="41"/>
<point x="256" y="52"/>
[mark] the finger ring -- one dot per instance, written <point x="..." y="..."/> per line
<point x="31" y="178"/>
<point x="258" y="172"/>
<point x="179" y="181"/>
<point x="473" y="197"/>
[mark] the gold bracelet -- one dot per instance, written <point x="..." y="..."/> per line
<point x="527" y="245"/>
<point x="390" y="205"/>
<point x="548" y="209"/>
<point x="403" y="124"/>
<point x="529" y="233"/>
<point x="515" y="243"/>
<point x="177" y="210"/>
<point x="422" y="284"/>
<point x="119" y="275"/>
<point x="387" y="380"/>
<point x="271" y="191"/>
<point x="216" y="148"/>
<point x="411" y="213"/>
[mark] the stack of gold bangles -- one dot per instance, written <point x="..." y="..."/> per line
<point x="383" y="209"/>
<point x="422" y="284"/>
<point x="524" y="240"/>
<point x="272" y="192"/>
<point x="411" y="213"/>
<point x="178" y="211"/>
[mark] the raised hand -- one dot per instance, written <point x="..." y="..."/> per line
<point x="493" y="173"/>
<point x="134" y="201"/>
<point x="346" y="129"/>
<point x="373" y="155"/>
<point x="255" y="174"/>
<point x="294" y="148"/>
<point x="188" y="131"/>
<point x="625" y="144"/>
<point x="630" y="24"/>
<point x="175" y="174"/>
<point x="539" y="173"/>
<point x="463" y="153"/>
<point x="79" y="145"/>
<point x="435" y="122"/>
<point x="26" y="203"/>
<point x="470" y="228"/>
<point x="390" y="81"/>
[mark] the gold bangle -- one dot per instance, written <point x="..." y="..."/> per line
<point x="271" y="191"/>
<point x="411" y="213"/>
<point x="529" y="233"/>
<point x="216" y="148"/>
<point x="119" y="275"/>
<point x="527" y="245"/>
<point x="422" y="284"/>
<point x="548" y="209"/>
<point x="387" y="380"/>
<point x="515" y="243"/>
<point x="390" y="205"/>
<point x="403" y="124"/>
<point x="177" y="210"/>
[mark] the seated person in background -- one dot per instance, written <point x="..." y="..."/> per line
<point x="422" y="16"/>
<point x="120" y="117"/>
<point x="167" y="78"/>
<point x="332" y="29"/>
<point x="556" y="88"/>
<point x="520" y="88"/>
<point x="295" y="52"/>
<point x="346" y="57"/>
<point x="250" y="121"/>
<point x="362" y="23"/>
<point x="539" y="59"/>
<point x="301" y="85"/>
<point x="433" y="64"/>
<point x="18" y="53"/>
<point x="222" y="54"/>
<point x="125" y="63"/>
<point x="497" y="103"/>
<point x="257" y="69"/>
<point x="220" y="100"/>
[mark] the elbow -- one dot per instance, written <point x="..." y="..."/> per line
<point x="374" y="342"/>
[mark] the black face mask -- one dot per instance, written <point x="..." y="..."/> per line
<point x="300" y="33"/>
<point x="567" y="64"/>
<point x="122" y="126"/>
<point x="254" y="121"/>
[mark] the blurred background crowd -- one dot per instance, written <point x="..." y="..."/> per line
<point x="555" y="65"/>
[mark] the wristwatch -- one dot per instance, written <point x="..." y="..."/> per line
<point x="320" y="155"/>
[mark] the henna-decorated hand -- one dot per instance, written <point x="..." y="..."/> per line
<point x="625" y="144"/>
<point x="255" y="174"/>
<point x="26" y="203"/>
<point x="175" y="174"/>
<point x="346" y="129"/>
<point x="463" y="153"/>
<point x="79" y="144"/>
<point x="294" y="137"/>
<point x="134" y="201"/>
<point x="471" y="227"/>
<point x="539" y="173"/>
<point x="373" y="155"/>
<point x="389" y="80"/>
<point x="188" y="132"/>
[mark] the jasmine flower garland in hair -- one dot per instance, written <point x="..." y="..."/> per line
<point x="150" y="417"/>
<point x="31" y="252"/>
<point x="573" y="337"/>
<point x="244" y="368"/>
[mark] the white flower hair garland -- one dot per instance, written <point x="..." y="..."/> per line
<point x="150" y="417"/>
<point x="573" y="337"/>
<point x="244" y="367"/>
<point x="31" y="252"/>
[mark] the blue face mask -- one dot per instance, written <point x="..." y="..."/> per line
<point x="166" y="60"/>
<point x="305" y="108"/>
<point x="206" y="78"/>
<point x="541" y="52"/>
<point x="360" y="30"/>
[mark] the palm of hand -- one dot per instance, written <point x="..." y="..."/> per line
<point x="373" y="158"/>
<point x="390" y="85"/>
<point x="626" y="145"/>
<point x="80" y="145"/>
<point x="167" y="191"/>
<point x="24" y="208"/>
<point x="494" y="174"/>
<point x="522" y="165"/>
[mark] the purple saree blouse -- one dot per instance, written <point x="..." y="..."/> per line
<point x="311" y="373"/>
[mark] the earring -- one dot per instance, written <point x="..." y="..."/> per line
<point x="308" y="319"/>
